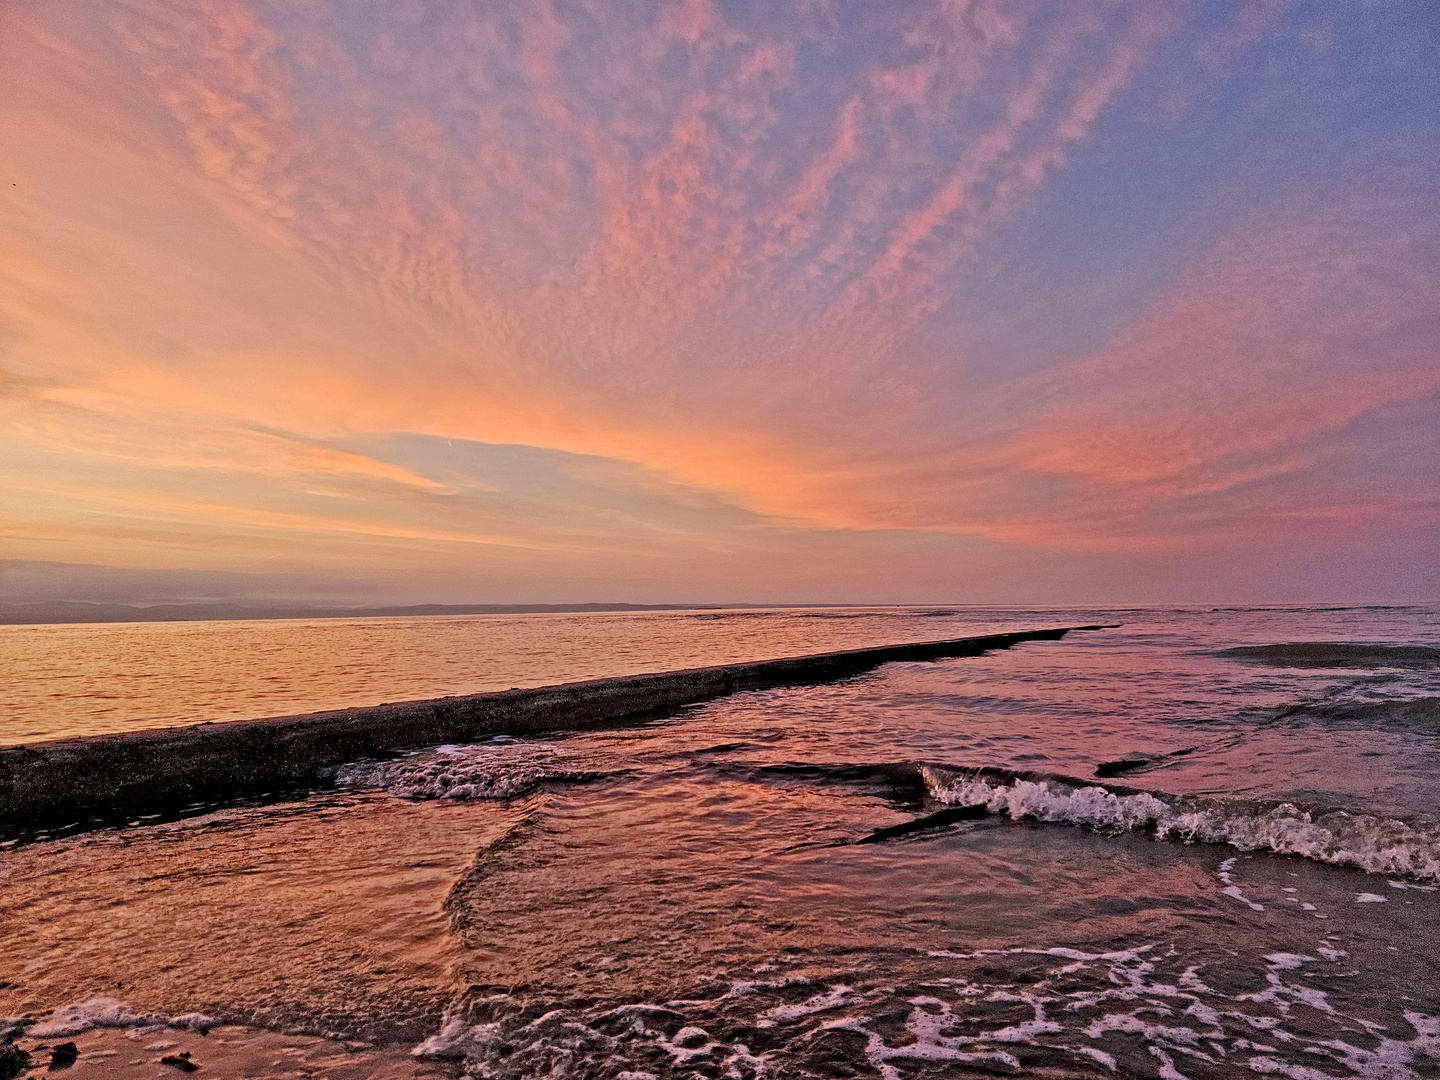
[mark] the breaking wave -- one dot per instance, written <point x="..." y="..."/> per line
<point x="1338" y="837"/>
<point x="1361" y="841"/>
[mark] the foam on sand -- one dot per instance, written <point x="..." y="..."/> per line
<point x="107" y="1012"/>
<point x="126" y="1044"/>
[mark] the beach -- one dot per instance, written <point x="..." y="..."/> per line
<point x="715" y="540"/>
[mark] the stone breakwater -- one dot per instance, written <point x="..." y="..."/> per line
<point x="113" y="776"/>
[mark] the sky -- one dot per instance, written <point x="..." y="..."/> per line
<point x="703" y="301"/>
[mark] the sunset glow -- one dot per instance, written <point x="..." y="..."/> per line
<point x="550" y="301"/>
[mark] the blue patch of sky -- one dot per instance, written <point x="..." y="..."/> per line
<point x="1330" y="88"/>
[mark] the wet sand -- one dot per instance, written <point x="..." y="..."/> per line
<point x="324" y="916"/>
<point x="232" y="1052"/>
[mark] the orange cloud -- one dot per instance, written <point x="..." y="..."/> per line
<point x="249" y="242"/>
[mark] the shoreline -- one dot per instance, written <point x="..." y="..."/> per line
<point x="91" y="613"/>
<point x="102" y="778"/>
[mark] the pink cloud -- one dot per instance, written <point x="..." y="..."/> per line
<point x="681" y="243"/>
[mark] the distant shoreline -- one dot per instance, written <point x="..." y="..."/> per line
<point x="64" y="612"/>
<point x="77" y="611"/>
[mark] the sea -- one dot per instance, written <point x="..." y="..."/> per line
<point x="1202" y="843"/>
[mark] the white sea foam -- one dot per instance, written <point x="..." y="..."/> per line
<point x="1179" y="1022"/>
<point x="833" y="998"/>
<point x="1226" y="874"/>
<point x="1411" y="885"/>
<point x="1390" y="1057"/>
<point x="559" y="1042"/>
<point x="1379" y="845"/>
<point x="106" y="1012"/>
<point x="1234" y="892"/>
<point x="483" y="771"/>
<point x="1287" y="961"/>
<point x="1144" y="1009"/>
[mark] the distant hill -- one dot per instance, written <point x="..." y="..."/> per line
<point x="69" y="611"/>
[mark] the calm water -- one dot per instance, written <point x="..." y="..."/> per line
<point x="95" y="679"/>
<point x="841" y="880"/>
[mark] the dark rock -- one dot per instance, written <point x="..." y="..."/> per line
<point x="63" y="1056"/>
<point x="1133" y="762"/>
<point x="938" y="820"/>
<point x="13" y="1061"/>
<point x="180" y="1061"/>
<point x="691" y="1038"/>
<point x="1124" y="765"/>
